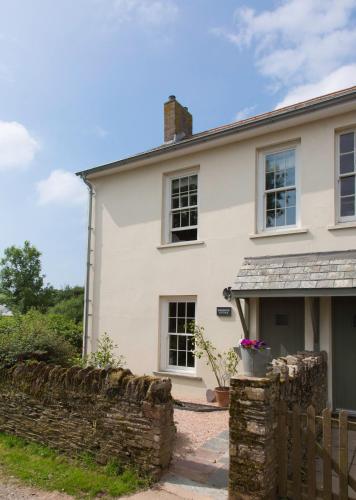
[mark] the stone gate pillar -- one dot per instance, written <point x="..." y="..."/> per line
<point x="253" y="444"/>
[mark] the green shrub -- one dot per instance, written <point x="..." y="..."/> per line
<point x="36" y="322"/>
<point x="104" y="356"/>
<point x="36" y="336"/>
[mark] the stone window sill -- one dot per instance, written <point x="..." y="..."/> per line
<point x="342" y="225"/>
<point x="166" y="373"/>
<point x="282" y="232"/>
<point x="180" y="244"/>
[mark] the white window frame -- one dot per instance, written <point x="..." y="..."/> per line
<point x="338" y="176"/>
<point x="167" y="206"/>
<point x="261" y="191"/>
<point x="164" y="334"/>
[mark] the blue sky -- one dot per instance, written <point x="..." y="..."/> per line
<point x="83" y="83"/>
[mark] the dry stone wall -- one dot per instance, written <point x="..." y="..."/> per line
<point x="111" y="414"/>
<point x="299" y="379"/>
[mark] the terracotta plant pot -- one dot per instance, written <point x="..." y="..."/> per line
<point x="223" y="396"/>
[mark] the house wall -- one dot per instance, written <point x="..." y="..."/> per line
<point x="131" y="271"/>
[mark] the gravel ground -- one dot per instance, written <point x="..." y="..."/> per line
<point x="194" y="428"/>
<point x="13" y="490"/>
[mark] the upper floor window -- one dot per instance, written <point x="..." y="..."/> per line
<point x="347" y="176"/>
<point x="183" y="208"/>
<point x="278" y="206"/>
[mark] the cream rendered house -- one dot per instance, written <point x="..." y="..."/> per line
<point x="256" y="219"/>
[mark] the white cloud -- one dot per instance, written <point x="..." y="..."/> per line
<point x="147" y="12"/>
<point x="298" y="43"/>
<point x="17" y="146"/>
<point x="61" y="187"/>
<point x="244" y="113"/>
<point x="341" y="78"/>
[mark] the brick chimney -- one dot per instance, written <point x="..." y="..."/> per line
<point x="178" y="122"/>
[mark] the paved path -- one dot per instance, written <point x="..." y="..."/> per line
<point x="201" y="475"/>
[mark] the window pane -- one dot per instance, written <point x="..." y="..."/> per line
<point x="182" y="358"/>
<point x="270" y="181"/>
<point x="181" y="309"/>
<point x="184" y="221"/>
<point x="186" y="235"/>
<point x="175" y="202"/>
<point x="290" y="216"/>
<point x="290" y="177"/>
<point x="190" y="344"/>
<point x="347" y="163"/>
<point x="173" y="341"/>
<point x="193" y="199"/>
<point x="290" y="198"/>
<point x="280" y="180"/>
<point x="181" y="325"/>
<point x="172" y="309"/>
<point x="191" y="309"/>
<point x="182" y="342"/>
<point x="193" y="182"/>
<point x="280" y="199"/>
<point x="176" y="219"/>
<point x="193" y="217"/>
<point x="280" y="217"/>
<point x="347" y="142"/>
<point x="184" y="201"/>
<point x="173" y="358"/>
<point x="270" y="163"/>
<point x="347" y="206"/>
<point x="271" y="201"/>
<point x="190" y="360"/>
<point x="183" y="184"/>
<point x="270" y="218"/>
<point x="175" y="186"/>
<point x="172" y="327"/>
<point x="347" y="185"/>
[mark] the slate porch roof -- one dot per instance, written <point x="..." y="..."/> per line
<point x="325" y="273"/>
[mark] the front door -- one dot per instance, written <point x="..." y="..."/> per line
<point x="282" y="324"/>
<point x="344" y="353"/>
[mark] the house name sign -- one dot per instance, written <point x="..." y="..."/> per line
<point x="223" y="311"/>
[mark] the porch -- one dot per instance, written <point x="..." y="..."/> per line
<point x="304" y="302"/>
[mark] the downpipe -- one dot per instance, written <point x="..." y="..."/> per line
<point x="88" y="266"/>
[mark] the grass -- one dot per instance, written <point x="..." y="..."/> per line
<point x="42" y="467"/>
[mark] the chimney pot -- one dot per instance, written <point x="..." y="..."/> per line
<point x="178" y="122"/>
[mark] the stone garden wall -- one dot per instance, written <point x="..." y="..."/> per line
<point x="299" y="379"/>
<point x="109" y="413"/>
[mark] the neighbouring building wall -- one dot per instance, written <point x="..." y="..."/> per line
<point x="111" y="414"/>
<point x="298" y="380"/>
<point x="133" y="272"/>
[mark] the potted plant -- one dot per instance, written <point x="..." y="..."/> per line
<point x="255" y="355"/>
<point x="223" y="365"/>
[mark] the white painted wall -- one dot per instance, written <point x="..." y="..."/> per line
<point x="131" y="273"/>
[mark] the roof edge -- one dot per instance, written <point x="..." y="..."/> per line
<point x="281" y="114"/>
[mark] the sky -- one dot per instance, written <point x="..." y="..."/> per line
<point x="83" y="82"/>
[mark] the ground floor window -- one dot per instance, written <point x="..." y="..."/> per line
<point x="178" y="341"/>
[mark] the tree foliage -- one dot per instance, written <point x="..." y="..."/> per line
<point x="22" y="284"/>
<point x="69" y="302"/>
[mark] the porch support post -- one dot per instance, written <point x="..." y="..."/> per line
<point x="326" y="337"/>
<point x="309" y="332"/>
<point x="254" y="323"/>
<point x="242" y="317"/>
